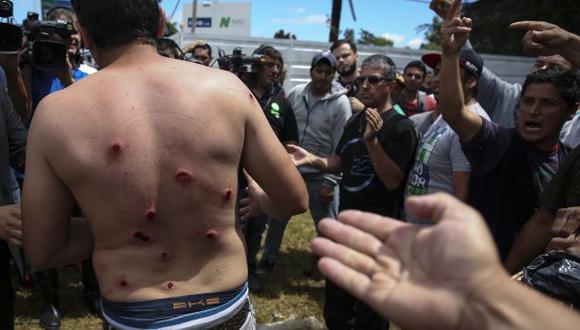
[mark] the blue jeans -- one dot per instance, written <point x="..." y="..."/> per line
<point x="318" y="208"/>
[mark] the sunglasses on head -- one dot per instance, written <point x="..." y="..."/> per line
<point x="373" y="80"/>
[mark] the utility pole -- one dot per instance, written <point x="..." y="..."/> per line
<point x="194" y="16"/>
<point x="335" y="20"/>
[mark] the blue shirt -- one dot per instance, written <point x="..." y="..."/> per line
<point x="44" y="83"/>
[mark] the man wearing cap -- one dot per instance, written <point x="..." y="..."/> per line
<point x="321" y="109"/>
<point x="374" y="154"/>
<point x="440" y="165"/>
<point x="509" y="167"/>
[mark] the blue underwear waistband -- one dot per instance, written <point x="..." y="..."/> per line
<point x="166" y="312"/>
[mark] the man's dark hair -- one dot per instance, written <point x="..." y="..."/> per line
<point x="169" y="48"/>
<point x="200" y="45"/>
<point x="566" y="81"/>
<point x="267" y="50"/>
<point x="381" y="61"/>
<point x="341" y="42"/>
<point x="113" y="23"/>
<point x="417" y="64"/>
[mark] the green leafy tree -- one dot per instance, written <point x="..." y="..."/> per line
<point x="281" y="34"/>
<point x="368" y="38"/>
<point x="349" y="35"/>
<point x="170" y="28"/>
<point x="491" y="19"/>
<point x="432" y="34"/>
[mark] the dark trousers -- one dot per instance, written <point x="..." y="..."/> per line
<point x="253" y="230"/>
<point x="6" y="290"/>
<point x="344" y="312"/>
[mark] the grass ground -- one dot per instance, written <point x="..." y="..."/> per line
<point x="287" y="292"/>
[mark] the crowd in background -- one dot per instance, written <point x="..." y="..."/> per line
<point x="366" y="136"/>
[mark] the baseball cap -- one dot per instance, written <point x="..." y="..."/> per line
<point x="324" y="54"/>
<point x="468" y="59"/>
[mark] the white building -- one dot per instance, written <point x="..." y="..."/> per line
<point x="219" y="18"/>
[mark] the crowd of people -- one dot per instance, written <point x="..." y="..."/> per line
<point x="427" y="187"/>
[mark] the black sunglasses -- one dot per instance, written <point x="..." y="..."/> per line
<point x="373" y="80"/>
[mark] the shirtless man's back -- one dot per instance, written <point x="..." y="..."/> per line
<point x="151" y="149"/>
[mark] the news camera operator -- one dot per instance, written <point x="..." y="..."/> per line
<point x="50" y="72"/>
<point x="264" y="82"/>
<point x="10" y="75"/>
<point x="53" y="60"/>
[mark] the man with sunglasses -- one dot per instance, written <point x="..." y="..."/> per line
<point x="412" y="100"/>
<point x="374" y="154"/>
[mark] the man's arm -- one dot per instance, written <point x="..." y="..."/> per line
<point x="267" y="162"/>
<point x="461" y="185"/>
<point x="51" y="238"/>
<point x="531" y="241"/>
<point x="390" y="174"/>
<point x="454" y="33"/>
<point x="301" y="156"/>
<point x="549" y="39"/>
<point x="11" y="224"/>
<point x="15" y="133"/>
<point x="496" y="96"/>
<point x="383" y="262"/>
<point x="16" y="87"/>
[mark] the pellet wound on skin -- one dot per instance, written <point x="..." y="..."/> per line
<point x="211" y="234"/>
<point x="142" y="237"/>
<point x="184" y="176"/>
<point x="150" y="213"/>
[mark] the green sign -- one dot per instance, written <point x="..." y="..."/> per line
<point x="225" y="22"/>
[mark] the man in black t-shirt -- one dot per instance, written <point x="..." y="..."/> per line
<point x="277" y="109"/>
<point x="374" y="154"/>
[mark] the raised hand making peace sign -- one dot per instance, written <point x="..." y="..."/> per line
<point x="454" y="30"/>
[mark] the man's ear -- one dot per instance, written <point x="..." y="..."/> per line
<point x="162" y="22"/>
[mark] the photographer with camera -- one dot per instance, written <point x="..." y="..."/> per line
<point x="54" y="60"/>
<point x="10" y="75"/>
<point x="272" y="99"/>
<point x="55" y="73"/>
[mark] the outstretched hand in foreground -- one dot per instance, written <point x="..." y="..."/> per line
<point x="418" y="277"/>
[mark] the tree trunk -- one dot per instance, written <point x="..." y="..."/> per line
<point x="335" y="20"/>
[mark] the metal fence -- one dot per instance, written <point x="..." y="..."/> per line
<point x="297" y="55"/>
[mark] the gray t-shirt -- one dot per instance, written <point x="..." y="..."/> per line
<point x="570" y="133"/>
<point x="438" y="156"/>
<point x="422" y="122"/>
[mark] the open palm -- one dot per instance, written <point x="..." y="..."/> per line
<point x="404" y="270"/>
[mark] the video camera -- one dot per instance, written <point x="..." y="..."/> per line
<point x="10" y="34"/>
<point x="240" y="64"/>
<point x="44" y="52"/>
<point x="47" y="42"/>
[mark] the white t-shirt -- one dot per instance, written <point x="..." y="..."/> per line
<point x="438" y="156"/>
